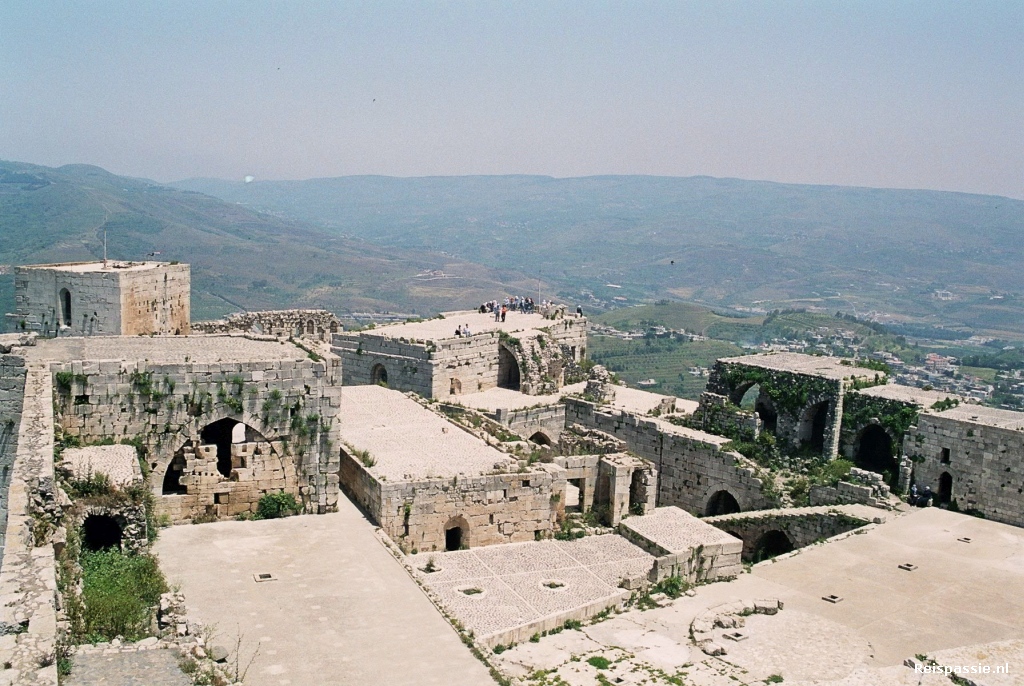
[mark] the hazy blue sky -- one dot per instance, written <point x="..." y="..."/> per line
<point x="897" y="94"/>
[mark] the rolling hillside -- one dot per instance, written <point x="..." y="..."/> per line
<point x="241" y="259"/>
<point x="723" y="242"/>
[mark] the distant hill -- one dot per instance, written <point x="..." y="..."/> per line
<point x="241" y="258"/>
<point x="724" y="242"/>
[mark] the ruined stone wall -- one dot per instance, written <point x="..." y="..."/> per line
<point x="156" y="300"/>
<point x="288" y="407"/>
<point x="802" y="526"/>
<point x="465" y="365"/>
<point x="12" y="398"/>
<point x="548" y="420"/>
<point x="716" y="415"/>
<point x="492" y="509"/>
<point x="319" y="324"/>
<point x="691" y="466"/>
<point x="409" y="366"/>
<point x="986" y="464"/>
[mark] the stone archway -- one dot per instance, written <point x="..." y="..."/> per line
<point x="873" y="451"/>
<point x="509" y="375"/>
<point x="65" y="307"/>
<point x="456" y="534"/>
<point x="720" y="503"/>
<point x="101" y="532"/>
<point x="172" y="477"/>
<point x="379" y="375"/>
<point x="945" y="493"/>
<point x="813" y="423"/>
<point x="541" y="438"/>
<point x="771" y="544"/>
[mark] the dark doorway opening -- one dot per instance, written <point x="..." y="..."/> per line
<point x="541" y="438"/>
<point x="574" y="495"/>
<point x="874" y="452"/>
<point x="219" y="433"/>
<point x="741" y="396"/>
<point x="453" y="538"/>
<point x="379" y="375"/>
<point x="65" y="306"/>
<point x="100" y="532"/>
<point x="772" y="544"/>
<point x="945" y="494"/>
<point x="637" y="493"/>
<point x="769" y="417"/>
<point x="814" y="426"/>
<point x="508" y="369"/>
<point x="722" y="502"/>
<point x="172" y="477"/>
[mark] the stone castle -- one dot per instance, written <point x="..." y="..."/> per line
<point x="447" y="442"/>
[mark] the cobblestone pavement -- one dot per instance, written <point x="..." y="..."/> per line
<point x="143" y="668"/>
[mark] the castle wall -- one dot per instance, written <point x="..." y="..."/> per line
<point x="408" y="365"/>
<point x="319" y="324"/>
<point x="691" y="468"/>
<point x="156" y="300"/>
<point x="548" y="420"/>
<point x="288" y="406"/>
<point x="491" y="509"/>
<point x="802" y="526"/>
<point x="104" y="302"/>
<point x="12" y="399"/>
<point x="986" y="464"/>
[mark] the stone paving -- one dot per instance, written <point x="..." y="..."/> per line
<point x="799" y="363"/>
<point x="963" y="604"/>
<point x="505" y="398"/>
<point x="437" y="329"/>
<point x="339" y="611"/>
<point x="143" y="668"/>
<point x="408" y="441"/>
<point x="164" y="349"/>
<point x="676" y="531"/>
<point x="523" y="583"/>
<point x="118" y="462"/>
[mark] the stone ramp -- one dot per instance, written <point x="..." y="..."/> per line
<point x="141" y="668"/>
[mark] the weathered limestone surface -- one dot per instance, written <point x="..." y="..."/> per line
<point x="419" y="475"/>
<point x="28" y="583"/>
<point x="319" y="324"/>
<point x="166" y="392"/>
<point x="691" y="465"/>
<point x="979" y="452"/>
<point x="119" y="463"/>
<point x="90" y="299"/>
<point x="684" y="545"/>
<point x="12" y="398"/>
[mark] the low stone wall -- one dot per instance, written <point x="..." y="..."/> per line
<point x="549" y="421"/>
<point x="12" y="398"/>
<point x="683" y="546"/>
<point x="28" y="602"/>
<point x="491" y="509"/>
<point x="319" y="324"/>
<point x="718" y="416"/>
<point x="802" y="526"/>
<point x="862" y="488"/>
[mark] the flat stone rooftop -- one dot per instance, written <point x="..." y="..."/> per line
<point x="511" y="579"/>
<point x="632" y="400"/>
<point x="408" y="441"/>
<point x="163" y="349"/>
<point x="119" y="462"/>
<point x="676" y="531"/>
<point x="340" y="610"/>
<point x="437" y="329"/>
<point x="908" y="394"/>
<point x="798" y="363"/>
<point x="985" y="416"/>
<point x="962" y="604"/>
<point x="110" y="266"/>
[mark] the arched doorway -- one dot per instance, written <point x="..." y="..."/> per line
<point x="720" y="503"/>
<point x="945" y="494"/>
<point x="172" y="477"/>
<point x="456" y="534"/>
<point x="541" y="438"/>
<point x="310" y="327"/>
<point x="379" y="375"/>
<point x="508" y="369"/>
<point x="741" y="394"/>
<point x="764" y="409"/>
<point x="874" y="452"/>
<point x="771" y="544"/>
<point x="812" y="426"/>
<point x="221" y="434"/>
<point x="65" y="306"/>
<point x="101" y="532"/>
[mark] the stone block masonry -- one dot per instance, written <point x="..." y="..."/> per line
<point x="12" y="398"/>
<point x="93" y="299"/>
<point x="217" y="434"/>
<point x="693" y="470"/>
<point x="683" y="545"/>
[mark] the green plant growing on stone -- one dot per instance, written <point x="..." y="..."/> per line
<point x="276" y="505"/>
<point x="118" y="593"/>
<point x="599" y="662"/>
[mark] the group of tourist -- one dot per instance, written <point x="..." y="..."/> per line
<point x="516" y="303"/>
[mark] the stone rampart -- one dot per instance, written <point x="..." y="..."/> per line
<point x="12" y="398"/>
<point x="319" y="324"/>
<point x="184" y="415"/>
<point x="543" y="425"/>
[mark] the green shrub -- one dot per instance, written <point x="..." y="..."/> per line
<point x="599" y="662"/>
<point x="119" y="592"/>
<point x="274" y="505"/>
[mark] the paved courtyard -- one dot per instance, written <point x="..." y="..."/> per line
<point x="341" y="609"/>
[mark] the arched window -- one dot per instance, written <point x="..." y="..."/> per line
<point x="65" y="307"/>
